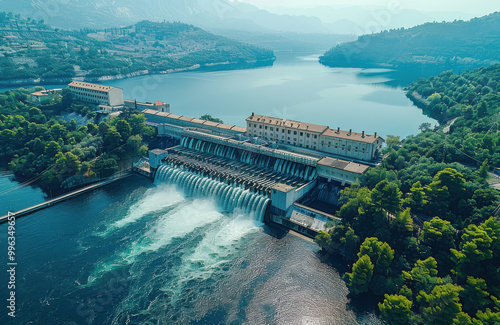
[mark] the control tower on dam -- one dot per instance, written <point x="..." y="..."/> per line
<point x="283" y="173"/>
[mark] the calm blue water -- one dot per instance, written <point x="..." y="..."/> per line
<point x="135" y="253"/>
<point x="295" y="87"/>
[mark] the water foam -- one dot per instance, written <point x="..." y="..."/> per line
<point x="219" y="245"/>
<point x="176" y="223"/>
<point x="154" y="199"/>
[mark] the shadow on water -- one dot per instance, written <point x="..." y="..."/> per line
<point x="275" y="231"/>
<point x="402" y="77"/>
<point x="360" y="304"/>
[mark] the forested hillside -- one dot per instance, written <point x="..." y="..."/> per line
<point x="38" y="144"/>
<point x="30" y="49"/>
<point x="444" y="270"/>
<point x="459" y="45"/>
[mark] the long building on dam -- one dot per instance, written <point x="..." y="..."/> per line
<point x="289" y="163"/>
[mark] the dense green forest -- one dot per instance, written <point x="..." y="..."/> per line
<point x="38" y="144"/>
<point x="30" y="49"/>
<point x="455" y="45"/>
<point x="421" y="230"/>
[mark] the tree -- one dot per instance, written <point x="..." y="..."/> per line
<point x="208" y="117"/>
<point x="103" y="128"/>
<point x="483" y="170"/>
<point x="416" y="198"/>
<point x="488" y="317"/>
<point x="58" y="131"/>
<point x="52" y="148"/>
<point x="362" y="273"/>
<point x="72" y="164"/>
<point x="439" y="236"/>
<point x="136" y="122"/>
<point x="441" y="305"/>
<point x="134" y="144"/>
<point x="124" y="129"/>
<point x="392" y="141"/>
<point x="423" y="275"/>
<point x="386" y="196"/>
<point x="475" y="296"/>
<point x="112" y="138"/>
<point x="426" y="126"/>
<point x="396" y="309"/>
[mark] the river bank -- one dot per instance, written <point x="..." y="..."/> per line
<point x="223" y="66"/>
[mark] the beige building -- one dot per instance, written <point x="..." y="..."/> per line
<point x="351" y="144"/>
<point x="97" y="94"/>
<point x="317" y="137"/>
<point x="285" y="131"/>
<point x="190" y="122"/>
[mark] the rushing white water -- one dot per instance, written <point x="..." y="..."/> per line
<point x="153" y="200"/>
<point x="176" y="223"/>
<point x="199" y="209"/>
<point x="220" y="243"/>
<point x="228" y="197"/>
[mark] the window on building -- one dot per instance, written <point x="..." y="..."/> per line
<point x="265" y="127"/>
<point x="260" y="126"/>
<point x="271" y="128"/>
<point x="329" y="143"/>
<point x="294" y="132"/>
<point x="294" y="139"/>
<point x="289" y="132"/>
<point x="288" y="138"/>
<point x="301" y="134"/>
<point x="315" y="136"/>
<point x="308" y="135"/>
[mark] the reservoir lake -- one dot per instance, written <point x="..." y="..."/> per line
<point x="135" y="252"/>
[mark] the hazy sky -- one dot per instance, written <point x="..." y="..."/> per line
<point x="476" y="7"/>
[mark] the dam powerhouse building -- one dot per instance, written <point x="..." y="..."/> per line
<point x="301" y="167"/>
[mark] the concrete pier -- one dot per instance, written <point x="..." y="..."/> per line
<point x="61" y="198"/>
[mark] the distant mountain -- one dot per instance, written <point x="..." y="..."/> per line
<point x="33" y="52"/>
<point x="359" y="20"/>
<point x="204" y="13"/>
<point x="455" y="45"/>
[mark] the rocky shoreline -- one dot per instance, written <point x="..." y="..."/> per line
<point x="63" y="80"/>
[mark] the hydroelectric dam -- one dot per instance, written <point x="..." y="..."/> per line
<point x="284" y="175"/>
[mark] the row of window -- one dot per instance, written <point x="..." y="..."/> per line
<point x="88" y="90"/>
<point x="91" y="96"/>
<point x="282" y="130"/>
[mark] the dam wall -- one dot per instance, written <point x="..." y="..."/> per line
<point x="220" y="161"/>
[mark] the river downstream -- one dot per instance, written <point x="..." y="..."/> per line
<point x="134" y="252"/>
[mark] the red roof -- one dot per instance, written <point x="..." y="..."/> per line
<point x="159" y="103"/>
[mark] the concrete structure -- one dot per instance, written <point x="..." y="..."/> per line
<point x="36" y="97"/>
<point x="351" y="144"/>
<point x="317" y="137"/>
<point x="297" y="169"/>
<point x="155" y="157"/>
<point x="285" y="131"/>
<point x="156" y="106"/>
<point x="345" y="172"/>
<point x="184" y="121"/>
<point x="97" y="94"/>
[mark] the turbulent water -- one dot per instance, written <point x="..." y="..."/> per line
<point x="138" y="253"/>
